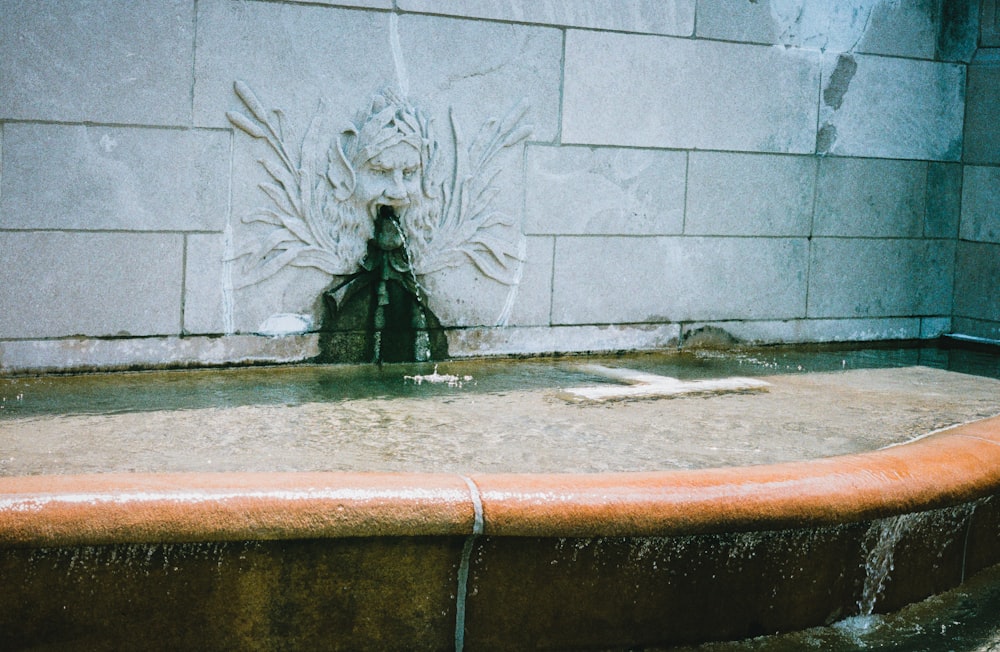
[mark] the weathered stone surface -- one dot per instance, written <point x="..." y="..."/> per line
<point x="292" y="55"/>
<point x="205" y="290"/>
<point x="471" y="342"/>
<point x="982" y="111"/>
<point x="990" y="23"/>
<point x="976" y="327"/>
<point x="100" y="61"/>
<point x="944" y="200"/>
<point x="902" y="29"/>
<point x="532" y="304"/>
<point x="747" y="22"/>
<point x="581" y="190"/>
<point x="643" y="16"/>
<point x="891" y="108"/>
<point x="95" y="284"/>
<point x="655" y="91"/>
<point x="981" y="204"/>
<point x="89" y="177"/>
<point x="978" y="268"/>
<point x="749" y="194"/>
<point x="669" y="279"/>
<point x="959" y="32"/>
<point x="793" y="331"/>
<point x="870" y="197"/>
<point x="483" y="71"/>
<point x="79" y="354"/>
<point x="864" y="277"/>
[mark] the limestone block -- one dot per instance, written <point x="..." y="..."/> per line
<point x="865" y="277"/>
<point x="990" y="23"/>
<point x="129" y="178"/>
<point x="902" y="29"/>
<point x="532" y="303"/>
<point x="891" y="108"/>
<point x="749" y="194"/>
<point x="670" y="279"/>
<point x="102" y="284"/>
<point x="981" y="204"/>
<point x="294" y="55"/>
<point x="111" y="61"/>
<point x="746" y="22"/>
<point x="870" y="197"/>
<point x="644" y="16"/>
<point x="791" y="331"/>
<point x="482" y="70"/>
<point x="982" y="111"/>
<point x="541" y="340"/>
<point x="978" y="269"/>
<point x="207" y="297"/>
<point x="944" y="200"/>
<point x="653" y="91"/>
<point x="907" y="29"/>
<point x="582" y="190"/>
<point x="976" y="327"/>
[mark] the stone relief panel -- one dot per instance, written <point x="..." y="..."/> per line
<point x="380" y="195"/>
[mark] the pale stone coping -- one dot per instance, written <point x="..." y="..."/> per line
<point x="96" y="354"/>
<point x="947" y="468"/>
<point x="84" y="354"/>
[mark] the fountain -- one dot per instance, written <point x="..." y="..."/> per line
<point x="488" y="560"/>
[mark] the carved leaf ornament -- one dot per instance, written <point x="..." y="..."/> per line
<point x="321" y="217"/>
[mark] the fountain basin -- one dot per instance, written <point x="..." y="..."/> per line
<point x="488" y="561"/>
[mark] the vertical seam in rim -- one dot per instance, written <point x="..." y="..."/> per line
<point x="463" y="567"/>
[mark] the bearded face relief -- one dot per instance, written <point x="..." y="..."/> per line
<point x="383" y="181"/>
<point x="390" y="179"/>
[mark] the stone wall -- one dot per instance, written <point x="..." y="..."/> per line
<point x="780" y="170"/>
<point x="977" y="273"/>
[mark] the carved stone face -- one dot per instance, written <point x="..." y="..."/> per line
<point x="390" y="178"/>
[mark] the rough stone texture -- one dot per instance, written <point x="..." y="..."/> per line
<point x="97" y="284"/>
<point x="78" y="354"/>
<point x="749" y="194"/>
<point x="870" y="198"/>
<point x="891" y="108"/>
<point x="204" y="283"/>
<point x="794" y="331"/>
<point x="483" y="70"/>
<point x="677" y="279"/>
<point x="976" y="294"/>
<point x="609" y="191"/>
<point x="863" y="277"/>
<point x="900" y="29"/>
<point x="944" y="200"/>
<point x="642" y="16"/>
<point x="99" y="61"/>
<point x="533" y="302"/>
<point x="665" y="92"/>
<point x="474" y="342"/>
<point x="982" y="112"/>
<point x="981" y="204"/>
<point x="989" y="35"/>
<point x="292" y="56"/>
<point x="959" y="32"/>
<point x="122" y="178"/>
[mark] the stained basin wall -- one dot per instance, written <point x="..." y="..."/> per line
<point x="491" y="562"/>
<point x="752" y="166"/>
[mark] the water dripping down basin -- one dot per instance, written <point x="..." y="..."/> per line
<point x="304" y="547"/>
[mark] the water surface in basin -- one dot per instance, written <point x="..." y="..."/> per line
<point x="507" y="417"/>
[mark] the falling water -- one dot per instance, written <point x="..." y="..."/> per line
<point x="879" y="547"/>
